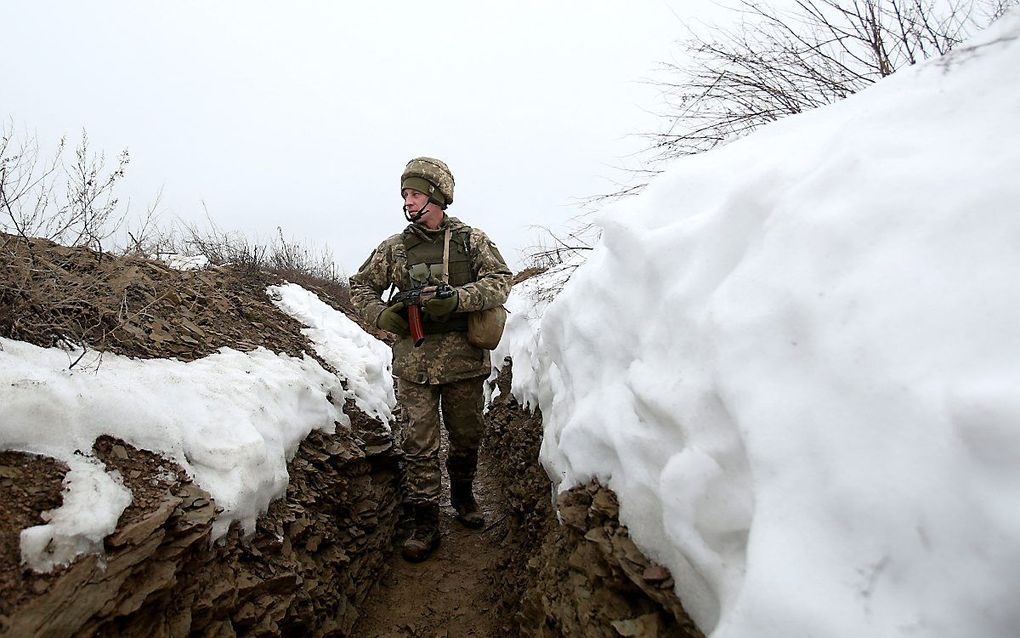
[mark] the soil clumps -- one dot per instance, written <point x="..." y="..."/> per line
<point x="143" y="308"/>
<point x="29" y="485"/>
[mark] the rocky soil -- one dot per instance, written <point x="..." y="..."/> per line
<point x="137" y="307"/>
<point x="315" y="554"/>
<point x="305" y="571"/>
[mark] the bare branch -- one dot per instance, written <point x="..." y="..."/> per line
<point x="775" y="63"/>
<point x="771" y="63"/>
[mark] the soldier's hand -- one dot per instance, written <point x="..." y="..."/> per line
<point x="439" y="309"/>
<point x="391" y="321"/>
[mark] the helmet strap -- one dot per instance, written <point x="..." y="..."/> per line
<point x="418" y="215"/>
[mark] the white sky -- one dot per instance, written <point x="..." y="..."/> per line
<point x="302" y="114"/>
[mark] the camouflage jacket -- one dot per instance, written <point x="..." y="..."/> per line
<point x="444" y="357"/>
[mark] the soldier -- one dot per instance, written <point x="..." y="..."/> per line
<point x="446" y="372"/>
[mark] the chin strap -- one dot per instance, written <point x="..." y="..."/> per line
<point x="415" y="217"/>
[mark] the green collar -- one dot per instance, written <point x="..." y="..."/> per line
<point x="429" y="234"/>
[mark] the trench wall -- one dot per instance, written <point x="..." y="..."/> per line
<point x="305" y="571"/>
<point x="584" y="576"/>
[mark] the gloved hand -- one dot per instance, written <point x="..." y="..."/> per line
<point x="440" y="309"/>
<point x="391" y="321"/>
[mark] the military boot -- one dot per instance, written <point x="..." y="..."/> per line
<point x="464" y="502"/>
<point x="425" y="536"/>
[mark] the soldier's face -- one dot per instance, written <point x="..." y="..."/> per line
<point x="414" y="200"/>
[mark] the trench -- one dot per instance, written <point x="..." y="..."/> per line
<point x="454" y="592"/>
<point x="324" y="560"/>
<point x="525" y="574"/>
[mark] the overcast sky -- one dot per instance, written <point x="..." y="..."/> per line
<point x="303" y="114"/>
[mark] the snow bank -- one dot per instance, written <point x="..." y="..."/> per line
<point x="797" y="358"/>
<point x="522" y="334"/>
<point x="363" y="362"/>
<point x="231" y="420"/>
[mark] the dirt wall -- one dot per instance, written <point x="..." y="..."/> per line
<point x="305" y="571"/>
<point x="584" y="577"/>
<point x="315" y="554"/>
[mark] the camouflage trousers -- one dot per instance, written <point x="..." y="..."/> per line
<point x="461" y="404"/>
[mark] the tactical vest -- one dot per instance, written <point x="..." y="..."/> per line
<point x="430" y="253"/>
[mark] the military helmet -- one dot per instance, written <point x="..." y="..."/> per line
<point x="430" y="176"/>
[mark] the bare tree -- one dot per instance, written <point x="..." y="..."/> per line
<point x="26" y="184"/>
<point x="92" y="212"/>
<point x="59" y="294"/>
<point x="74" y="205"/>
<point x="729" y="81"/>
<point x="553" y="249"/>
<point x="775" y="63"/>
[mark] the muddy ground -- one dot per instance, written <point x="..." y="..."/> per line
<point x="526" y="574"/>
<point x="473" y="585"/>
<point x="451" y="594"/>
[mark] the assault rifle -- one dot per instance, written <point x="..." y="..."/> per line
<point x="413" y="300"/>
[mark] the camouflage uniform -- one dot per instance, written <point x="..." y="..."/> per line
<point x="446" y="372"/>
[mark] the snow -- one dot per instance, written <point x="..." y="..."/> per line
<point x="796" y="361"/>
<point x="93" y="501"/>
<point x="232" y="420"/>
<point x="185" y="262"/>
<point x="521" y="335"/>
<point x="363" y="361"/>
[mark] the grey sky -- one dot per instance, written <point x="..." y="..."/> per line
<point x="302" y="114"/>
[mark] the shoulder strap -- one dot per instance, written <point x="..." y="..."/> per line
<point x="446" y="256"/>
